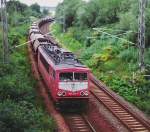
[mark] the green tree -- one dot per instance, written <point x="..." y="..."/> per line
<point x="99" y="12"/>
<point x="15" y="6"/>
<point x="35" y="7"/>
<point x="45" y="12"/>
<point x="66" y="11"/>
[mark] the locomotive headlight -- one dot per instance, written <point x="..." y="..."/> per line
<point x="59" y="93"/>
<point x="82" y="93"/>
<point x="86" y="93"/>
<point x="64" y="94"/>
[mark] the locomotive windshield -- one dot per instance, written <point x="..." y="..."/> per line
<point x="69" y="76"/>
<point x="80" y="76"/>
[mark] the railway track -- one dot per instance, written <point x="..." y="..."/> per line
<point x="78" y="123"/>
<point x="132" y="121"/>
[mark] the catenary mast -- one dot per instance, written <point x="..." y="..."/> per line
<point x="5" y="31"/>
<point x="141" y="34"/>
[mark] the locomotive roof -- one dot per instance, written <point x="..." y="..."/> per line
<point x="70" y="66"/>
<point x="63" y="64"/>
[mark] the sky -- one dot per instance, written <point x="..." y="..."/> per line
<point x="51" y="3"/>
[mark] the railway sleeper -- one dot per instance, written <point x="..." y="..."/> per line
<point x="139" y="129"/>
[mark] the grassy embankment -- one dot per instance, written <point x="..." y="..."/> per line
<point x="20" y="110"/>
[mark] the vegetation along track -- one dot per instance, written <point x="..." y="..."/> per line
<point x="132" y="121"/>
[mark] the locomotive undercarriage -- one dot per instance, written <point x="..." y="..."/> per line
<point x="72" y="105"/>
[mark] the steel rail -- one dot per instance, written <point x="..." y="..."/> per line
<point x="78" y="122"/>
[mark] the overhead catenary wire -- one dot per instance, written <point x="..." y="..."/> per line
<point x="112" y="29"/>
<point x="125" y="33"/>
<point x="114" y="36"/>
<point x="23" y="44"/>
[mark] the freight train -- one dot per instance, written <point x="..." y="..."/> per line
<point x="66" y="78"/>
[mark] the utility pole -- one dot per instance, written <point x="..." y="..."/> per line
<point x="64" y="21"/>
<point x="5" y="31"/>
<point x="141" y="34"/>
<point x="64" y="24"/>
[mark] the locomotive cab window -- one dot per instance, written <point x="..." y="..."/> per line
<point x="80" y="76"/>
<point x="53" y="74"/>
<point x="67" y="76"/>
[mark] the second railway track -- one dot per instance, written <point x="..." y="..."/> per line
<point x="131" y="120"/>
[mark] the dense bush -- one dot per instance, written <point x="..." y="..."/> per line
<point x="128" y="55"/>
<point x="23" y="116"/>
<point x="18" y="109"/>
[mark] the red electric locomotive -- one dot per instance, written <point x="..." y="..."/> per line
<point x="66" y="78"/>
